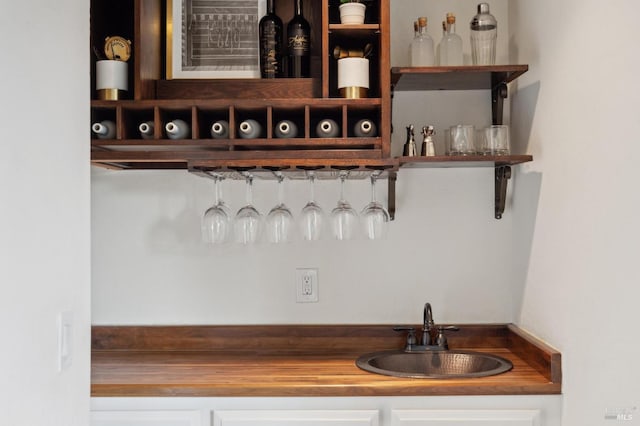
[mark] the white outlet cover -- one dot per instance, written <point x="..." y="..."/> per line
<point x="307" y="285"/>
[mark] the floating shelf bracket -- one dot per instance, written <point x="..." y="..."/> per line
<point x="503" y="174"/>
<point x="391" y="200"/>
<point x="499" y="93"/>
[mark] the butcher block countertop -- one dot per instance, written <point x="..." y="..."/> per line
<point x="314" y="360"/>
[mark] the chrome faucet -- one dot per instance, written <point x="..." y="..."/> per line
<point x="427" y="324"/>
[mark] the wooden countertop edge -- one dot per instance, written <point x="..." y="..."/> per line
<point x="420" y="389"/>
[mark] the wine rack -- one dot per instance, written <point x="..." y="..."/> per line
<point x="200" y="102"/>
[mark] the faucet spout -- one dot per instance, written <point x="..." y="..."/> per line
<point x="428" y="324"/>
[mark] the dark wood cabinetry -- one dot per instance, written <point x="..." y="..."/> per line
<point x="200" y="102"/>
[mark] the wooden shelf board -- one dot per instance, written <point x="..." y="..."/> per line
<point x="245" y="88"/>
<point x="454" y="78"/>
<point x="351" y="27"/>
<point x="238" y="103"/>
<point x="200" y="143"/>
<point x="463" y="161"/>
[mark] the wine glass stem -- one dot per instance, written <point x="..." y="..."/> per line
<point x="216" y="199"/>
<point x="342" y="179"/>
<point x="249" y="194"/>
<point x="219" y="190"/>
<point x="280" y="190"/>
<point x="312" y="188"/>
<point x="373" y="189"/>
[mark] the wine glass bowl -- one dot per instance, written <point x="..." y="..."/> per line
<point x="248" y="220"/>
<point x="344" y="218"/>
<point x="280" y="219"/>
<point x="216" y="221"/>
<point x="312" y="216"/>
<point x="374" y="217"/>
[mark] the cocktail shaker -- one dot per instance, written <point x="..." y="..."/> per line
<point x="484" y="33"/>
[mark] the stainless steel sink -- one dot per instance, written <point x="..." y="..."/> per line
<point x="434" y="364"/>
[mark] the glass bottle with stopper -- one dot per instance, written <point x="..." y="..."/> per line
<point x="451" y="49"/>
<point x="422" y="54"/>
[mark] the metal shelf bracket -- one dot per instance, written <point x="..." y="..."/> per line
<point x="391" y="201"/>
<point x="499" y="93"/>
<point x="502" y="176"/>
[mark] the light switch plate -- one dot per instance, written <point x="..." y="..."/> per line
<point x="65" y="340"/>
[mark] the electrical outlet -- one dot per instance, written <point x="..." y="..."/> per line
<point x="306" y="285"/>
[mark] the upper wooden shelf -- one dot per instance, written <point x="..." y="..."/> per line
<point x="464" y="161"/>
<point x="454" y="78"/>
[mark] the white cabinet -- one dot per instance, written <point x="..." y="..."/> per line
<point x="296" y="418"/>
<point x="465" y="417"/>
<point x="147" y="418"/>
<point x="523" y="410"/>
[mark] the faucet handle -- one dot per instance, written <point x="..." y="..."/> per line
<point x="441" y="340"/>
<point x="411" y="335"/>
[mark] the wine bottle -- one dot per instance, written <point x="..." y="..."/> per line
<point x="146" y="130"/>
<point x="105" y="129"/>
<point x="270" y="43"/>
<point x="365" y="128"/>
<point x="286" y="129"/>
<point x="177" y="129"/>
<point x="298" y="42"/>
<point x="250" y="129"/>
<point x="220" y="129"/>
<point x="327" y="128"/>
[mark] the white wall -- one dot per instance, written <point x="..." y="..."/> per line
<point x="577" y="109"/>
<point x="44" y="210"/>
<point x="445" y="246"/>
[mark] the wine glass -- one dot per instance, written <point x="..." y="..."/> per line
<point x="312" y="215"/>
<point x="216" y="222"/>
<point x="344" y="218"/>
<point x="248" y="220"/>
<point x="374" y="217"/>
<point x="279" y="219"/>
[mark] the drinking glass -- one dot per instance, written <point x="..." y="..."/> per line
<point x="216" y="222"/>
<point x="495" y="140"/>
<point x="461" y="140"/>
<point x="374" y="217"/>
<point x="248" y="220"/>
<point x="280" y="220"/>
<point x="344" y="218"/>
<point x="312" y="215"/>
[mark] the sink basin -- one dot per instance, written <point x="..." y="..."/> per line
<point x="434" y="364"/>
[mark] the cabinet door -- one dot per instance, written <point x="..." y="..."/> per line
<point x="296" y="418"/>
<point x="465" y="417"/>
<point x="147" y="418"/>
